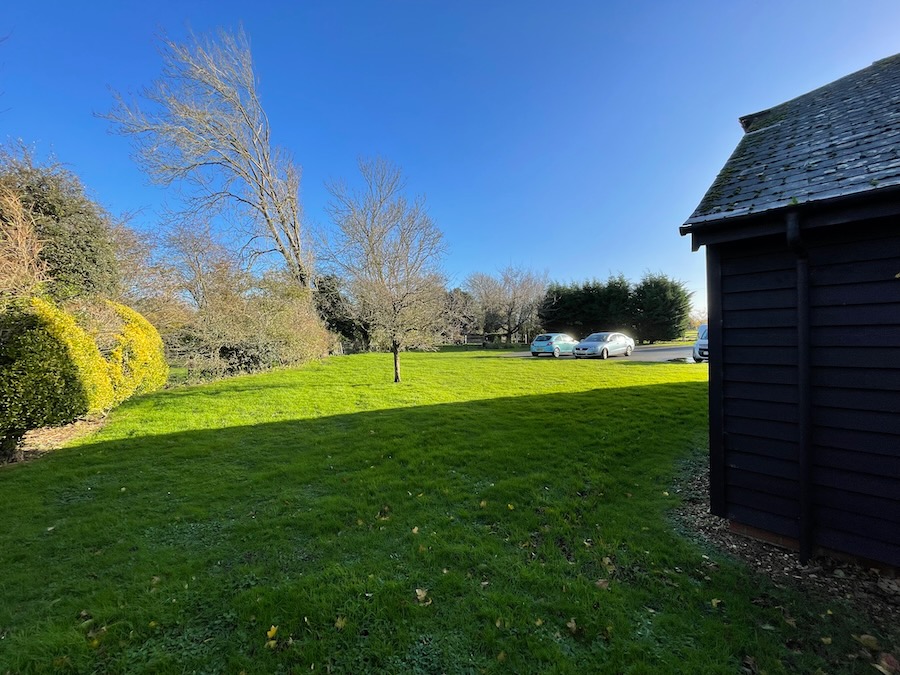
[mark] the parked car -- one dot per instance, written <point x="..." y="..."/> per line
<point x="552" y="343"/>
<point x="701" y="346"/>
<point x="601" y="345"/>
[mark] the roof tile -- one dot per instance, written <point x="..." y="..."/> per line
<point x="838" y="140"/>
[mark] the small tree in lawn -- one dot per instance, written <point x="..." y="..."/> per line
<point x="389" y="250"/>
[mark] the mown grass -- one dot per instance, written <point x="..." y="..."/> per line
<point x="489" y="514"/>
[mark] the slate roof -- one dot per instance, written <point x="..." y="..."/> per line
<point x="839" y="140"/>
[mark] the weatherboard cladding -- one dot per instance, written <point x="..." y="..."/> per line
<point x="759" y="391"/>
<point x="842" y="139"/>
<point x="855" y="387"/>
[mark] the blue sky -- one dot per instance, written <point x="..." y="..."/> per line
<point x="569" y="137"/>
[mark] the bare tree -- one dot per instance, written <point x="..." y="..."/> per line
<point x="21" y="268"/>
<point x="201" y="267"/>
<point x="508" y="301"/>
<point x="201" y="125"/>
<point x="389" y="250"/>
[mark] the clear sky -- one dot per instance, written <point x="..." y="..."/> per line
<point x="570" y="137"/>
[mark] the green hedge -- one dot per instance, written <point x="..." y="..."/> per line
<point x="137" y="363"/>
<point x="51" y="371"/>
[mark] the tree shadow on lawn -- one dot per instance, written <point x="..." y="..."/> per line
<point x="506" y="507"/>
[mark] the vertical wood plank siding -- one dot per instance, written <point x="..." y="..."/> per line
<point x="854" y="293"/>
<point x="855" y="336"/>
<point x="759" y="375"/>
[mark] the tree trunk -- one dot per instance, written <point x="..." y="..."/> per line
<point x="395" y="350"/>
<point x="11" y="446"/>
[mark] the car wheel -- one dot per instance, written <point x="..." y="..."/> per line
<point x="534" y="354"/>
<point x="696" y="360"/>
<point x="604" y="354"/>
<point x="576" y="356"/>
<point x="628" y="350"/>
<point x="556" y="352"/>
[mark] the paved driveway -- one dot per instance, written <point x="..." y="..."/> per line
<point x="641" y="353"/>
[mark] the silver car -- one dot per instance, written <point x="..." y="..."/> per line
<point x="602" y="345"/>
<point x="701" y="346"/>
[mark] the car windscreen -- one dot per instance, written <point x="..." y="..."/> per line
<point x="596" y="337"/>
<point x="703" y="333"/>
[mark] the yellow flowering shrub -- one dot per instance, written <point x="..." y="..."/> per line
<point x="82" y="350"/>
<point x="51" y="371"/>
<point x="137" y="363"/>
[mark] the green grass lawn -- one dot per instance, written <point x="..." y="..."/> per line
<point x="487" y="515"/>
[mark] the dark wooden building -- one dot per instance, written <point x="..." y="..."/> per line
<point x="802" y="237"/>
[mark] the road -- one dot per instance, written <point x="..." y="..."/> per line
<point x="641" y="353"/>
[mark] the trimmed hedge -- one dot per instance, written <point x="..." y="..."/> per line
<point x="51" y="371"/>
<point x="137" y="363"/>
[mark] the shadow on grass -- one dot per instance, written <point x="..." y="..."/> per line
<point x="184" y="539"/>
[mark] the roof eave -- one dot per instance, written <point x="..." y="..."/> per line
<point x="834" y="210"/>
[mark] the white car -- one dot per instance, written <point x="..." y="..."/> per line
<point x="602" y="345"/>
<point x="701" y="346"/>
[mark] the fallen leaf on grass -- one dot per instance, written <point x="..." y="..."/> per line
<point x="715" y="602"/>
<point x="415" y="530"/>
<point x="887" y="663"/>
<point x="422" y="596"/>
<point x="340" y="623"/>
<point x="572" y="626"/>
<point x="868" y="641"/>
<point x="826" y="640"/>
<point x="271" y="644"/>
<point x="272" y="632"/>
<point x="602" y="584"/>
<point x="539" y="622"/>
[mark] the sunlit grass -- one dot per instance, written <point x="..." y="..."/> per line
<point x="488" y="514"/>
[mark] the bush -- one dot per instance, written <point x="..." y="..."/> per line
<point x="77" y="247"/>
<point x="51" y="371"/>
<point x="137" y="363"/>
<point x="272" y="324"/>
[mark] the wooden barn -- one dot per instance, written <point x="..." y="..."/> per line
<point x="802" y="236"/>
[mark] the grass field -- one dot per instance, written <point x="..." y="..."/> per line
<point x="487" y="515"/>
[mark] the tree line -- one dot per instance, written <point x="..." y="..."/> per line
<point x="656" y="308"/>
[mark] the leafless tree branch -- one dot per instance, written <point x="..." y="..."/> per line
<point x="201" y="124"/>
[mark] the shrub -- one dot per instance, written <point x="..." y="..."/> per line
<point x="51" y="371"/>
<point x="77" y="247"/>
<point x="137" y="363"/>
<point x="272" y="324"/>
<point x="90" y="364"/>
